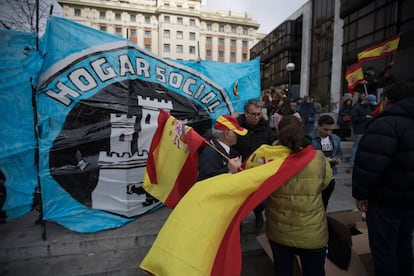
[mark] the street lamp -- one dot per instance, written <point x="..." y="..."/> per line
<point x="290" y="67"/>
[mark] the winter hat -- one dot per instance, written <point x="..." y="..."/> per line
<point x="372" y="99"/>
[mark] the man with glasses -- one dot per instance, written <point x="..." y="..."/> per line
<point x="258" y="133"/>
<point x="330" y="145"/>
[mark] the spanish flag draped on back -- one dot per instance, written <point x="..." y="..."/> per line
<point x="202" y="234"/>
<point x="172" y="160"/>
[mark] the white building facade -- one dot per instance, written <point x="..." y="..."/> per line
<point x="176" y="29"/>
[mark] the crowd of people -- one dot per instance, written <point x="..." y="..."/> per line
<point x="295" y="214"/>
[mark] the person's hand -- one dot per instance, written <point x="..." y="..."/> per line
<point x="234" y="165"/>
<point x="362" y="205"/>
<point x="334" y="160"/>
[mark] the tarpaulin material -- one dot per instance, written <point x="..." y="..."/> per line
<point x="95" y="109"/>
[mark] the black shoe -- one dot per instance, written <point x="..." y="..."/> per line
<point x="259" y="220"/>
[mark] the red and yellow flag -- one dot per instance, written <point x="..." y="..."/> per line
<point x="385" y="48"/>
<point x="172" y="160"/>
<point x="354" y="76"/>
<point x="202" y="234"/>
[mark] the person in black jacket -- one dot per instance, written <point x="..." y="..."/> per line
<point x="220" y="157"/>
<point x="383" y="181"/>
<point x="258" y="133"/>
<point x="360" y="117"/>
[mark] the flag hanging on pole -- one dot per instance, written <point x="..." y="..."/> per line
<point x="202" y="234"/>
<point x="172" y="160"/>
<point x="385" y="48"/>
<point x="354" y="76"/>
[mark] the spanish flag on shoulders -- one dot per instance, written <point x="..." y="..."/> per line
<point x="172" y="160"/>
<point x="202" y="234"/>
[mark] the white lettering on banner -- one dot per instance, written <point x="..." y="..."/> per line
<point x="63" y="93"/>
<point x="104" y="73"/>
<point x="85" y="79"/>
<point x="125" y="65"/>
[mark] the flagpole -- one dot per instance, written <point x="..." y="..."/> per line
<point x="216" y="149"/>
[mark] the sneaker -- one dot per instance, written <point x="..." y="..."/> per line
<point x="259" y="220"/>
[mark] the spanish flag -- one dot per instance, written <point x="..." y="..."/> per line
<point x="354" y="76"/>
<point x="202" y="234"/>
<point x="385" y="48"/>
<point x="172" y="160"/>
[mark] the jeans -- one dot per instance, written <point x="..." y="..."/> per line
<point x="312" y="260"/>
<point x="390" y="237"/>
<point x="357" y="138"/>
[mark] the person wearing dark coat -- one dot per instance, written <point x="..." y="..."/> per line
<point x="258" y="133"/>
<point x="307" y="112"/>
<point x="344" y="118"/>
<point x="360" y="117"/>
<point x="383" y="182"/>
<point x="222" y="158"/>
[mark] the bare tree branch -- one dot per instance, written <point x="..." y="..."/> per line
<point x="21" y="14"/>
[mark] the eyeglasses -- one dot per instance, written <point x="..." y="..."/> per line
<point x="254" y="114"/>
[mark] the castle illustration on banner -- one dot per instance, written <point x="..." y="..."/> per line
<point x="122" y="169"/>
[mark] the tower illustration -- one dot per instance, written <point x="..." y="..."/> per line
<point x="122" y="169"/>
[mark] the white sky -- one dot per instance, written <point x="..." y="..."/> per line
<point x="268" y="13"/>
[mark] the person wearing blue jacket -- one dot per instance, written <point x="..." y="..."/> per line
<point x="330" y="145"/>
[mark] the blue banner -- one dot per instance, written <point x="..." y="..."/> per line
<point x="97" y="103"/>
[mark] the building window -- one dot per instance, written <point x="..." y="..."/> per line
<point x="221" y="54"/>
<point x="167" y="48"/>
<point x="147" y="19"/>
<point x="208" y="53"/>
<point x="102" y="15"/>
<point x="221" y="29"/>
<point x="209" y="27"/>
<point x="77" y="12"/>
<point x="148" y="47"/>
<point x="191" y="50"/>
<point x="166" y="33"/>
<point x="179" y="35"/>
<point x="117" y="17"/>
<point x="244" y="44"/>
<point x="244" y="57"/>
<point x="192" y="22"/>
<point x="233" y="30"/>
<point x="179" y="49"/>
<point x="179" y="6"/>
<point x="179" y="21"/>
<point x="245" y="31"/>
<point x="133" y="33"/>
<point x="192" y="36"/>
<point x="233" y="43"/>
<point x="102" y="28"/>
<point x="118" y="31"/>
<point x="166" y="19"/>
<point x="208" y="40"/>
<point x="147" y="34"/>
<point x="133" y="18"/>
<point x="233" y="55"/>
<point x="221" y="41"/>
<point x="191" y="7"/>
